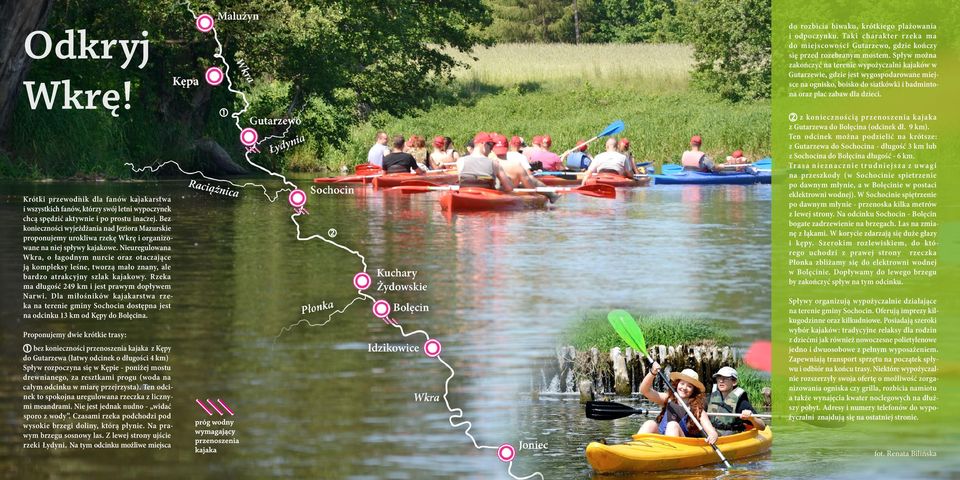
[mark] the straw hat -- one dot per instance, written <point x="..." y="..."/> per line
<point x="689" y="376"/>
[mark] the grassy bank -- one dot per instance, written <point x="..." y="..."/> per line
<point x="572" y="92"/>
<point x="593" y="330"/>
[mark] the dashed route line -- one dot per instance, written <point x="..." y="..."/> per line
<point x="505" y="452"/>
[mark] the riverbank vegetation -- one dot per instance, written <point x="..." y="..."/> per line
<point x="593" y="330"/>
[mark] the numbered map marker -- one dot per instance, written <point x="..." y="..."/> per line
<point x="204" y="23"/>
<point x="361" y="281"/>
<point x="249" y="136"/>
<point x="432" y="347"/>
<point x="214" y="76"/>
<point x="506" y="452"/>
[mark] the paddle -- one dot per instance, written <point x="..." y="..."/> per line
<point x="366" y="168"/>
<point x="633" y="335"/>
<point x="614" y="410"/>
<point x="616" y="127"/>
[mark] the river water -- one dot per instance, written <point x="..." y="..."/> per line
<point x="312" y="402"/>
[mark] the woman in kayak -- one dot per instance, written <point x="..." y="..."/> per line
<point x="673" y="419"/>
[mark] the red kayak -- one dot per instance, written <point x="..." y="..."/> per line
<point x="618" y="181"/>
<point x="553" y="181"/>
<point x="472" y="198"/>
<point x="396" y="179"/>
<point x="346" y="179"/>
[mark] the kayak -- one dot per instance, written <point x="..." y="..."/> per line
<point x="396" y="179"/>
<point x="618" y="181"/>
<point x="346" y="179"/>
<point x="472" y="198"/>
<point x="706" y="178"/>
<point x="555" y="181"/>
<point x="651" y="452"/>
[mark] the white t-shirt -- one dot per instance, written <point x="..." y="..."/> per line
<point x="376" y="153"/>
<point x="610" y="161"/>
<point x="511" y="156"/>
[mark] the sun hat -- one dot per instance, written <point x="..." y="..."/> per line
<point x="726" y="372"/>
<point x="582" y="145"/>
<point x="499" y="144"/>
<point x="625" y="142"/>
<point x="538" y="140"/>
<point x="482" y="137"/>
<point x="689" y="376"/>
<point x="696" y="139"/>
<point x="546" y="141"/>
<point x="738" y="154"/>
<point x="516" y="141"/>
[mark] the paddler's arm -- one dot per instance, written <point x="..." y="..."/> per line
<point x="711" y="432"/>
<point x="746" y="413"/>
<point x="586" y="176"/>
<point x="646" y="386"/>
<point x="505" y="184"/>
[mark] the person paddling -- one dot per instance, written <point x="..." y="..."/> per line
<point x="398" y="161"/>
<point x="696" y="160"/>
<point x="611" y="161"/>
<point x="673" y="419"/>
<point x="478" y="170"/>
<point x="727" y="397"/>
<point x="378" y="150"/>
<point x="548" y="160"/>
<point x="440" y="156"/>
<point x="515" y="165"/>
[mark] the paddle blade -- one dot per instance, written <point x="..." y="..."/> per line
<point x="598" y="190"/>
<point x="610" y="411"/>
<point x="616" y="127"/>
<point x="758" y="356"/>
<point x="634" y="331"/>
<point x="766" y="162"/>
<point x="615" y="319"/>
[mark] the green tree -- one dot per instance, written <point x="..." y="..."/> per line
<point x="731" y="40"/>
<point x="532" y="21"/>
<point x="630" y="21"/>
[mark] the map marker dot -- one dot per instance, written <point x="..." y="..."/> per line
<point x="381" y="308"/>
<point x="214" y="76"/>
<point x="297" y="198"/>
<point x="248" y="137"/>
<point x="506" y="452"/>
<point x="204" y="23"/>
<point x="432" y="349"/>
<point x="361" y="281"/>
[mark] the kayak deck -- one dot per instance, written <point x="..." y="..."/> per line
<point x="618" y="181"/>
<point x="477" y="199"/>
<point x="397" y="179"/>
<point x="650" y="452"/>
<point x="703" y="178"/>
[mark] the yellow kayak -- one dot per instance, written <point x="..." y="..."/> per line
<point x="651" y="452"/>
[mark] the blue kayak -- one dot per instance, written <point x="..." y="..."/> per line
<point x="702" y="178"/>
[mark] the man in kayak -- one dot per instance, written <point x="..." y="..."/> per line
<point x="478" y="170"/>
<point x="378" y="150"/>
<point x="694" y="159"/>
<point x="673" y="419"/>
<point x="440" y="156"/>
<point x="549" y="161"/>
<point x="611" y="161"/>
<point x="727" y="397"/>
<point x="398" y="161"/>
<point x="515" y="165"/>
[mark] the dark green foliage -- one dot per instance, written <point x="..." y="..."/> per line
<point x="594" y="331"/>
<point x="731" y="40"/>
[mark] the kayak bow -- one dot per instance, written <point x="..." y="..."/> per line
<point x="472" y="198"/>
